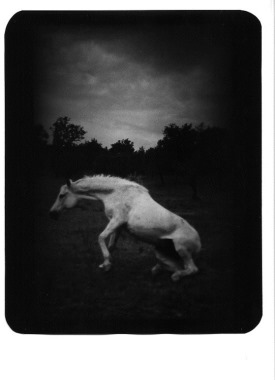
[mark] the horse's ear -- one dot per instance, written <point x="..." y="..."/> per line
<point x="69" y="182"/>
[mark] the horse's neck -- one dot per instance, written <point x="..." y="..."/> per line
<point x="93" y="196"/>
<point x="107" y="183"/>
<point x="88" y="197"/>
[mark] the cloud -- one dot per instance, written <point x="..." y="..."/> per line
<point x="118" y="85"/>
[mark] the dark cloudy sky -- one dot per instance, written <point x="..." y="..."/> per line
<point x="128" y="77"/>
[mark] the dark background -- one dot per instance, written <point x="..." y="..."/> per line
<point x="38" y="280"/>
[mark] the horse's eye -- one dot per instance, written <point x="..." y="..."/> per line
<point x="61" y="196"/>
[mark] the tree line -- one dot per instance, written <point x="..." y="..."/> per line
<point x="185" y="152"/>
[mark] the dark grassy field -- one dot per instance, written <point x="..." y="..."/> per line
<point x="72" y="295"/>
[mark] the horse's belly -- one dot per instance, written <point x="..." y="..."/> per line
<point x="147" y="235"/>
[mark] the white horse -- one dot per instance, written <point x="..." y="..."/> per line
<point x="129" y="206"/>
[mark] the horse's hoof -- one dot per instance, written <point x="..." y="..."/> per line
<point x="156" y="270"/>
<point x="105" y="267"/>
<point x="175" y="277"/>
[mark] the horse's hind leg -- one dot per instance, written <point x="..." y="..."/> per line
<point x="165" y="262"/>
<point x="185" y="253"/>
<point x="167" y="257"/>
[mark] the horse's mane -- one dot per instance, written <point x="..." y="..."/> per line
<point x="103" y="183"/>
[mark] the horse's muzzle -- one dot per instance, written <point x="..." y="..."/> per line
<point x="54" y="215"/>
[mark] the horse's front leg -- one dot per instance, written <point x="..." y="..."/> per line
<point x="113" y="240"/>
<point x="109" y="230"/>
<point x="111" y="243"/>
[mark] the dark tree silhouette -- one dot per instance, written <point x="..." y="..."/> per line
<point x="118" y="160"/>
<point x="93" y="145"/>
<point x="179" y="142"/>
<point x="87" y="154"/>
<point x="139" y="161"/>
<point x="176" y="154"/>
<point x="122" y="146"/>
<point x="189" y="152"/>
<point x="66" y="134"/>
<point x="65" y="160"/>
<point x="184" y="154"/>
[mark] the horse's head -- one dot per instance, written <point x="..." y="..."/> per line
<point x="66" y="199"/>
